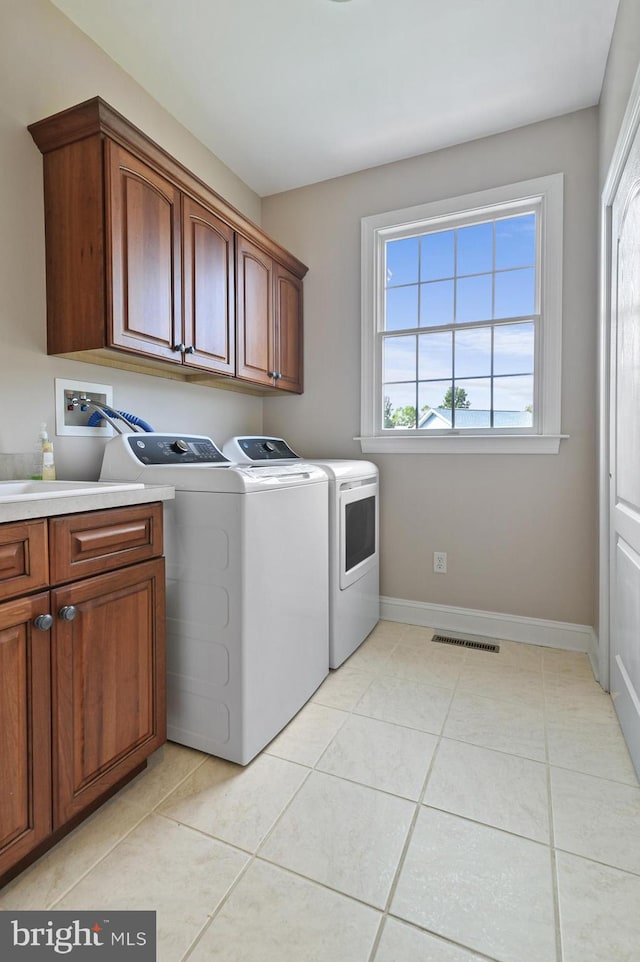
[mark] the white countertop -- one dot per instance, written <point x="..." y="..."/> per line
<point x="77" y="503"/>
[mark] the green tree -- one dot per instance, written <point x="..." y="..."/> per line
<point x="405" y="417"/>
<point x="461" y="399"/>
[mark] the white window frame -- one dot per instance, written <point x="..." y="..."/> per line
<point x="545" y="196"/>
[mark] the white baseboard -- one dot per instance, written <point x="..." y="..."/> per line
<point x="492" y="624"/>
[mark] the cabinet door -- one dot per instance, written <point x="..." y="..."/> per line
<point x="25" y="729"/>
<point x="288" y="330"/>
<point x="254" y="303"/>
<point x="209" y="302"/>
<point x="143" y="231"/>
<point x="109" y="703"/>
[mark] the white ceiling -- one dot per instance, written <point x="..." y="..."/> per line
<point x="290" y="92"/>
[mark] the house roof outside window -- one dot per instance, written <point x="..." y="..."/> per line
<point x="473" y="418"/>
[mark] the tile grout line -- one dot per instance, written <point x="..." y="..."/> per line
<point x="412" y="728"/>
<point x="374" y="675"/>
<point x="443" y="939"/>
<point x="420" y="803"/>
<point x="495" y="828"/>
<point x="597" y="861"/>
<point x="147" y="813"/>
<point x="252" y="858"/>
<point x="600" y="778"/>
<point x="409" y="837"/>
<point x="255" y="856"/>
<point x="313" y="881"/>
<point x="311" y="770"/>
<point x="216" y="910"/>
<point x="98" y="861"/>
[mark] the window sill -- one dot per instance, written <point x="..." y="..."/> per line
<point x="463" y="444"/>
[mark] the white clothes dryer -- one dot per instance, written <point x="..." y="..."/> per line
<point x="247" y="588"/>
<point x="354" y="559"/>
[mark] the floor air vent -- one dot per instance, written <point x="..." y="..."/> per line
<point x="466" y="643"/>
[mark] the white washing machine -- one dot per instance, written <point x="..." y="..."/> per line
<point x="354" y="561"/>
<point x="247" y="588"/>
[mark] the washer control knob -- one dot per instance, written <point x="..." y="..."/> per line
<point x="180" y="446"/>
<point x="269" y="446"/>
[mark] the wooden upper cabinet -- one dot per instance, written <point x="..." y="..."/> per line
<point x="288" y="329"/>
<point x="255" y="313"/>
<point x="76" y="266"/>
<point x="269" y="306"/>
<point x="209" y="289"/>
<point x="143" y="235"/>
<point x="149" y="268"/>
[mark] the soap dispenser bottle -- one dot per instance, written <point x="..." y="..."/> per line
<point x="48" y="464"/>
<point x="36" y="470"/>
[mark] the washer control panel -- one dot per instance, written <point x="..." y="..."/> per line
<point x="169" y="449"/>
<point x="244" y="449"/>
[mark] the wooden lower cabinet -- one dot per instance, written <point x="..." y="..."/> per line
<point x="25" y="729"/>
<point x="82" y="673"/>
<point x="108" y="682"/>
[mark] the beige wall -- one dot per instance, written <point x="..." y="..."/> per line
<point x="47" y="64"/>
<point x="519" y="530"/>
<point x="622" y="66"/>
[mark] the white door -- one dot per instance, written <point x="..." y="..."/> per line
<point x="625" y="452"/>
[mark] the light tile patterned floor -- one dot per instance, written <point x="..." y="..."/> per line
<point x="430" y="804"/>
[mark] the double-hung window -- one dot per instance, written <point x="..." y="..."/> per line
<point x="462" y="323"/>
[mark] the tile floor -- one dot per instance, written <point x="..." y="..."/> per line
<point x="430" y="804"/>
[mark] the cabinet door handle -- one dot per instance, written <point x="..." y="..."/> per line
<point x="68" y="613"/>
<point x="43" y="622"/>
<point x="179" y="348"/>
<point x="278" y="376"/>
<point x="189" y="350"/>
<point x="273" y="374"/>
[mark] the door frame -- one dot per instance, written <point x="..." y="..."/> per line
<point x="628" y="129"/>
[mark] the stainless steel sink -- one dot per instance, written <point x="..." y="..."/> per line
<point x="35" y="490"/>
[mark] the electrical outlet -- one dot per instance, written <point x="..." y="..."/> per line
<point x="440" y="562"/>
